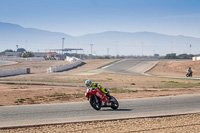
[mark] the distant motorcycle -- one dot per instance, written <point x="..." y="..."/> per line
<point x="98" y="99"/>
<point x="188" y="74"/>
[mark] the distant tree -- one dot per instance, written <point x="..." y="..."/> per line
<point x="8" y="50"/>
<point x="21" y="50"/>
<point x="26" y="54"/>
<point x="171" y="56"/>
<point x="103" y="57"/>
<point x="106" y="57"/>
<point x="190" y="56"/>
<point x="181" y="56"/>
<point x="185" y="56"/>
<point x="99" y="57"/>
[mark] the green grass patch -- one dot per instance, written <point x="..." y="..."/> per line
<point x="30" y="100"/>
<point x="39" y="97"/>
<point x="53" y="97"/>
<point x="132" y="83"/>
<point x="13" y="88"/>
<point x="21" y="100"/>
<point x="115" y="90"/>
<point x="175" y="84"/>
<point x="58" y="95"/>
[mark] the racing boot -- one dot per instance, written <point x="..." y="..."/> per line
<point x="109" y="96"/>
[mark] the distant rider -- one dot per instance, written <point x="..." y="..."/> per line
<point x="92" y="86"/>
<point x="190" y="72"/>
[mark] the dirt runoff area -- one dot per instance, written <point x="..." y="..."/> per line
<point x="169" y="124"/>
<point x="41" y="87"/>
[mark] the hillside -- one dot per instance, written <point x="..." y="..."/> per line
<point x="29" y="38"/>
<point x="111" y="42"/>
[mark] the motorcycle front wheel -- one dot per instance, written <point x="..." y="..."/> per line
<point x="95" y="102"/>
<point x="114" y="103"/>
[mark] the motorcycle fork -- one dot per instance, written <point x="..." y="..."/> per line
<point x="96" y="99"/>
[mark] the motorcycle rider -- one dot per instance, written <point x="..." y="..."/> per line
<point x="90" y="85"/>
<point x="190" y="72"/>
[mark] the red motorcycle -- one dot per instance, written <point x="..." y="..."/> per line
<point x="98" y="99"/>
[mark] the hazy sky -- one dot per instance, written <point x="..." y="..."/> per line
<point x="79" y="17"/>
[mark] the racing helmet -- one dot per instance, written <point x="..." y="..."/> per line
<point x="88" y="83"/>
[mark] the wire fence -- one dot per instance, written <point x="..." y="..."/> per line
<point x="20" y="59"/>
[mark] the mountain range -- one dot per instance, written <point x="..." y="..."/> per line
<point x="110" y="42"/>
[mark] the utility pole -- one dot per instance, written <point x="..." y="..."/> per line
<point x="91" y="49"/>
<point x="17" y="47"/>
<point x="63" y="39"/>
<point x="142" y="48"/>
<point x="26" y="45"/>
<point x="117" y="53"/>
<point x="107" y="51"/>
<point x="172" y="46"/>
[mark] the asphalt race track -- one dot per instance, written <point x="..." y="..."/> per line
<point x="131" y="66"/>
<point x="3" y="63"/>
<point x="82" y="111"/>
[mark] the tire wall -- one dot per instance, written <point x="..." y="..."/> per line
<point x="11" y="72"/>
<point x="74" y="62"/>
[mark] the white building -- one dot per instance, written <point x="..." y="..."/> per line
<point x="196" y="58"/>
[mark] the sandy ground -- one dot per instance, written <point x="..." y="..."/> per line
<point x="171" y="124"/>
<point x="68" y="86"/>
<point x="176" y="68"/>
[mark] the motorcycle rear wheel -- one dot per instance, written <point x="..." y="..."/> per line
<point x="95" y="104"/>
